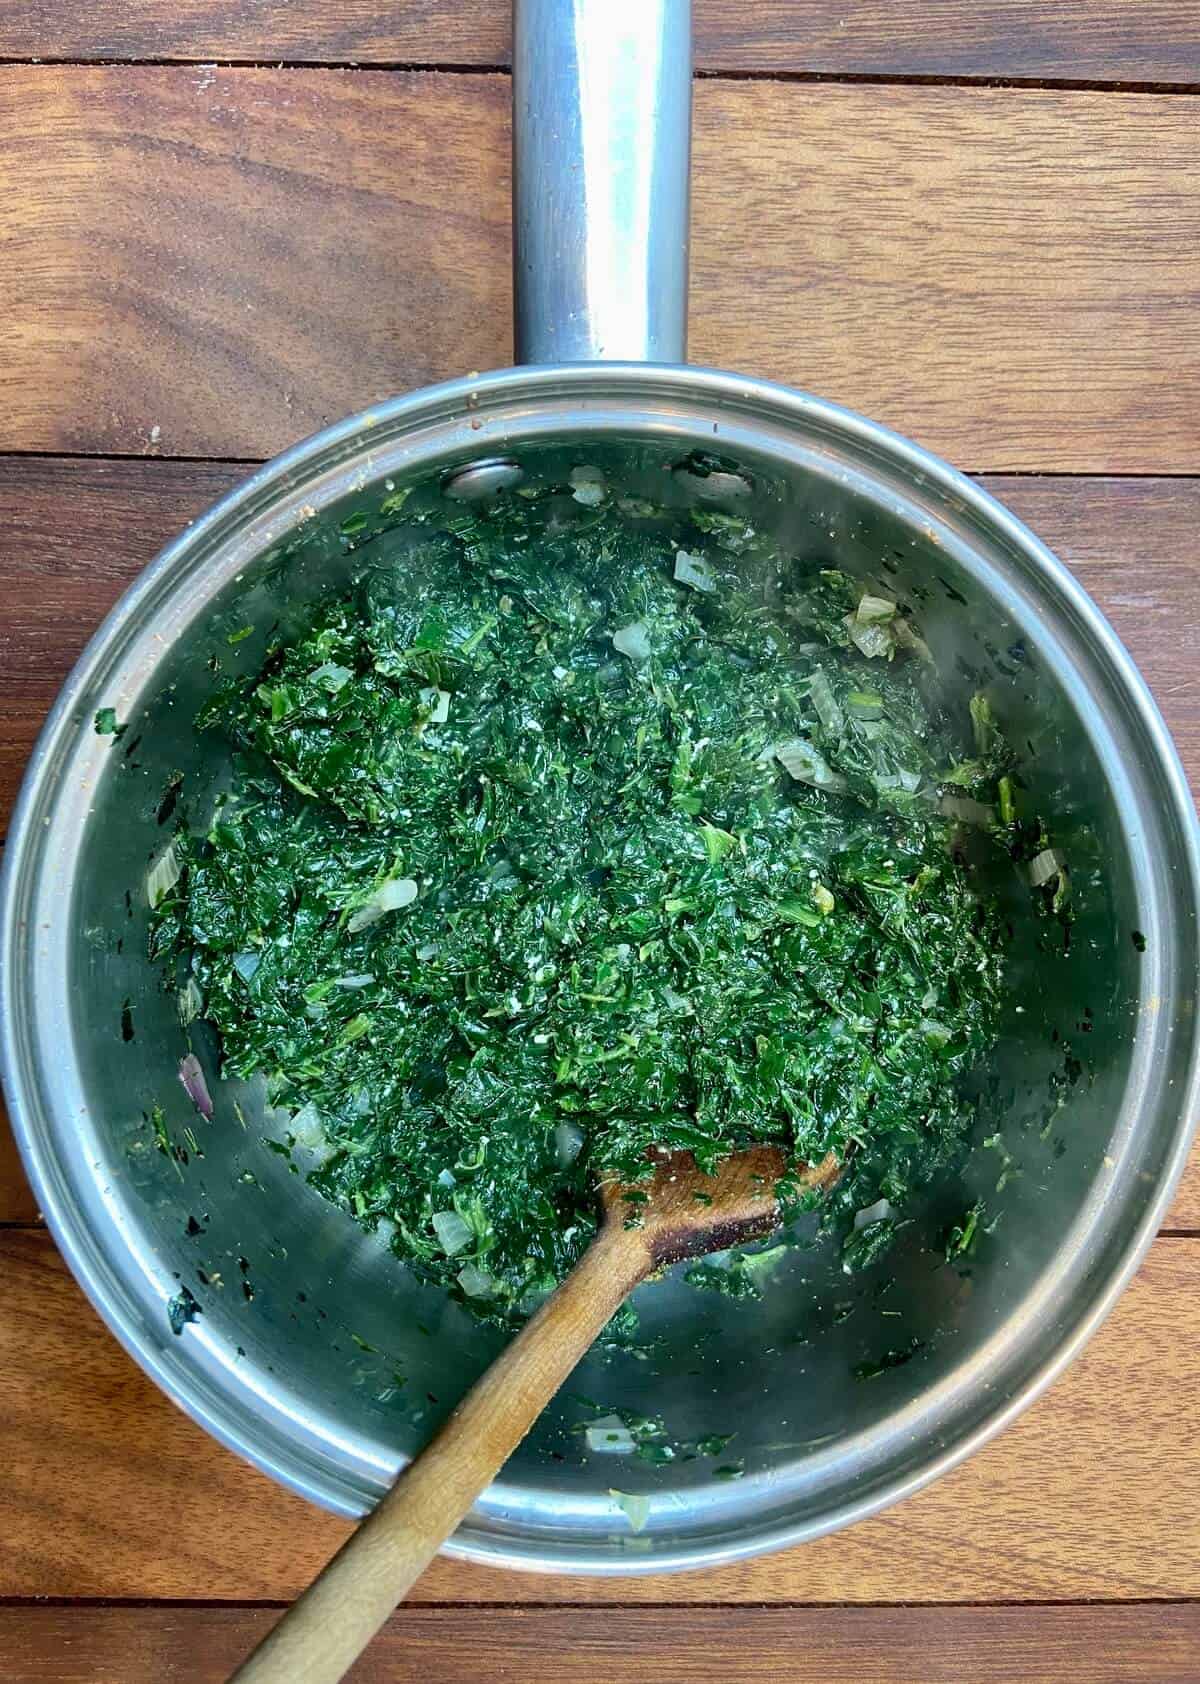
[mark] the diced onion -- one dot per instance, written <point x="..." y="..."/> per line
<point x="436" y="704"/>
<point x="331" y="677"/>
<point x="454" y="1234"/>
<point x="880" y="1211"/>
<point x="632" y="640"/>
<point x="195" y="1086"/>
<point x="874" y="610"/>
<point x="191" y="1002"/>
<point x="636" y="1508"/>
<point x="588" y="486"/>
<point x="610" y="1437"/>
<point x="694" y="570"/>
<point x="826" y="703"/>
<point x="870" y="638"/>
<point x="1049" y="863"/>
<point x="477" y="1283"/>
<point x="163" y="875"/>
<point x="307" y="1129"/>
<point x="907" y="638"/>
<point x="569" y="1140"/>
<point x="390" y="896"/>
<point x="807" y="765"/>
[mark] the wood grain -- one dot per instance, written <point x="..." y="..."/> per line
<point x="1040" y="1645"/>
<point x="1083" y="40"/>
<point x="214" y="262"/>
<point x="1093" y="1494"/>
<point x="1184" y="1215"/>
<point x="17" y="1203"/>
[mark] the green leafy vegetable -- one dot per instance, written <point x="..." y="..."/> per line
<point x="543" y="850"/>
<point x="106" y="724"/>
<point x="960" y="1241"/>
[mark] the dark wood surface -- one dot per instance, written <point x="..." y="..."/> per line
<point x="625" y="1646"/>
<point x="1121" y="41"/>
<point x="212" y="262"/>
<point x="202" y="264"/>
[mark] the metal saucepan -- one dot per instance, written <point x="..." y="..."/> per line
<point x="837" y="1411"/>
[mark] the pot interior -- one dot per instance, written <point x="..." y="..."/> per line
<point x="301" y="1339"/>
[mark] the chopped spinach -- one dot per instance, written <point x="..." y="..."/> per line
<point x="547" y="847"/>
<point x="960" y="1238"/>
<point x="106" y="724"/>
<point x="181" y="1309"/>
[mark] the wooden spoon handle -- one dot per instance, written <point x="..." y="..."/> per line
<point x="322" y="1634"/>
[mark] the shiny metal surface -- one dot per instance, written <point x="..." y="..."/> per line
<point x="339" y="1364"/>
<point x="602" y="100"/>
<point x="480" y="480"/>
<point x="286" y="1381"/>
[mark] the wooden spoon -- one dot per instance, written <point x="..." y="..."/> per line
<point x="684" y="1214"/>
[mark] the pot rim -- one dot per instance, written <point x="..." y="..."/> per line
<point x="464" y="410"/>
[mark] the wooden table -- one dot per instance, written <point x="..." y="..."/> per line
<point x="977" y="219"/>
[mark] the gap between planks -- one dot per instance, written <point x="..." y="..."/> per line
<point x="852" y="78"/>
<point x="875" y="244"/>
<point x="1105" y="41"/>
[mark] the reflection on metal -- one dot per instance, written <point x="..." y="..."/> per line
<point x="602" y="98"/>
<point x="482" y="479"/>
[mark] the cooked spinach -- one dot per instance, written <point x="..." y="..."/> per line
<point x="579" y="833"/>
<point x="106" y="724"/>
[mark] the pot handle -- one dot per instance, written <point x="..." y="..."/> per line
<point x="602" y="104"/>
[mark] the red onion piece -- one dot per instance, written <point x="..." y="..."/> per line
<point x="192" y="1077"/>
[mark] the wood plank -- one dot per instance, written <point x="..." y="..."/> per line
<point x="17" y="1203"/>
<point x="1159" y="1644"/>
<point x="213" y="262"/>
<point x="1083" y="40"/>
<point x="1092" y="1495"/>
<point x="74" y="533"/>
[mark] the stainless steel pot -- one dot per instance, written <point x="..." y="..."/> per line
<point x="339" y="1363"/>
